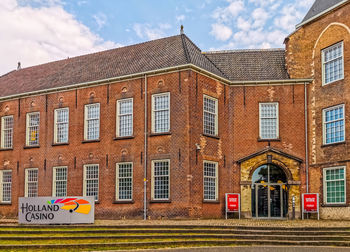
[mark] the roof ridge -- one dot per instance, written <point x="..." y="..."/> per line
<point x="245" y="50"/>
<point x="184" y="45"/>
<point x="205" y="56"/>
<point x="93" y="53"/>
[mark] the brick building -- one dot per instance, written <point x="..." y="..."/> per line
<point x="161" y="129"/>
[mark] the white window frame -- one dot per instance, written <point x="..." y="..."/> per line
<point x="26" y="191"/>
<point x="54" y="180"/>
<point x="3" y="132"/>
<point x="216" y="180"/>
<point x="2" y="186"/>
<point x="56" y="140"/>
<point x="324" y="63"/>
<point x="324" y="111"/>
<point x="153" y="180"/>
<point x="120" y="115"/>
<point x="277" y="120"/>
<point x="28" y="140"/>
<point x="85" y="180"/>
<point x="118" y="177"/>
<point x="325" y="185"/>
<point x="154" y="112"/>
<point x="86" y="121"/>
<point x="216" y="115"/>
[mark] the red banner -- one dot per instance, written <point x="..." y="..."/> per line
<point x="233" y="202"/>
<point x="310" y="202"/>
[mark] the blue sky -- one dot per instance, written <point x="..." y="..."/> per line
<point x="39" y="31"/>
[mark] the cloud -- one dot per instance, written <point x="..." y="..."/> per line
<point x="260" y="17"/>
<point x="229" y="12"/>
<point x="100" y="19"/>
<point x="150" y="32"/>
<point x="180" y="18"/>
<point x="221" y="32"/>
<point x="288" y="18"/>
<point x="35" y="35"/>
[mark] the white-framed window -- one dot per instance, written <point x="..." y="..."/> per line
<point x="31" y="182"/>
<point x="33" y="127"/>
<point x="124" y="181"/>
<point x="7" y="132"/>
<point x="210" y="180"/>
<point x="92" y="122"/>
<point x="61" y="117"/>
<point x="334" y="185"/>
<point x="91" y="184"/>
<point x="160" y="179"/>
<point x="161" y="113"/>
<point x="59" y="183"/>
<point x="125" y="117"/>
<point x="333" y="63"/>
<point x="269" y="124"/>
<point x="5" y="186"/>
<point x="334" y="124"/>
<point x="210" y="115"/>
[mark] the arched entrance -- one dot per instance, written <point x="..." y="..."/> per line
<point x="269" y="192"/>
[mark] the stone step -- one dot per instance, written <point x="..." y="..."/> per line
<point x="163" y="244"/>
<point x="174" y="231"/>
<point x="180" y="236"/>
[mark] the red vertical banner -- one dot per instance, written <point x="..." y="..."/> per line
<point x="233" y="203"/>
<point x="310" y="202"/>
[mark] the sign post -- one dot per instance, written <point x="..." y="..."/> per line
<point x="233" y="203"/>
<point x="310" y="204"/>
<point x="56" y="210"/>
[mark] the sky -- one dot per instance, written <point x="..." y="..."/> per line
<point x="38" y="31"/>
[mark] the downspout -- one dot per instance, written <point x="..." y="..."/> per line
<point x="306" y="142"/>
<point x="145" y="156"/>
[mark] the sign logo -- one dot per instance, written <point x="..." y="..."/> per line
<point x="73" y="205"/>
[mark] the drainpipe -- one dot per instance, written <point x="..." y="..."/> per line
<point x="306" y="142"/>
<point x="145" y="157"/>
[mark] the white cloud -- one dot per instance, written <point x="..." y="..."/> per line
<point x="229" y="12"/>
<point x="260" y="17"/>
<point x="151" y="32"/>
<point x="221" y="32"/>
<point x="243" y="24"/>
<point x="288" y="18"/>
<point x="42" y="34"/>
<point x="180" y="18"/>
<point x="100" y="19"/>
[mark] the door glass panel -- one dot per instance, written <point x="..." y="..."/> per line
<point x="285" y="200"/>
<point x="263" y="209"/>
<point x="253" y="200"/>
<point x="277" y="175"/>
<point x="275" y="200"/>
<point x="260" y="175"/>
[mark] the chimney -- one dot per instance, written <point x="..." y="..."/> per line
<point x="182" y="30"/>
<point x="19" y="66"/>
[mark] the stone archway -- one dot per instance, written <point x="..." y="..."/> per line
<point x="290" y="166"/>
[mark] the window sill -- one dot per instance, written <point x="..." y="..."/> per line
<point x="211" y="136"/>
<point x="332" y="144"/>
<point x="31" y="147"/>
<point x="332" y="82"/>
<point x="59" y="144"/>
<point x="334" y="205"/>
<point x="211" y="201"/>
<point x="6" y="149"/>
<point x="91" y="141"/>
<point x="123" y="137"/>
<point x="160" y="201"/>
<point x="160" y="134"/>
<point x="269" y="140"/>
<point x="123" y="202"/>
<point x="5" y="203"/>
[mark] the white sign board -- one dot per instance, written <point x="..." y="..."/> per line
<point x="56" y="210"/>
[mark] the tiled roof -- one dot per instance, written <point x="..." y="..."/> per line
<point x="251" y="65"/>
<point x="153" y="55"/>
<point x="318" y="7"/>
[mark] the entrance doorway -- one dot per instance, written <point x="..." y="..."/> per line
<point x="269" y="192"/>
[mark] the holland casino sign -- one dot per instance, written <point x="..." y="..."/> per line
<point x="56" y="210"/>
